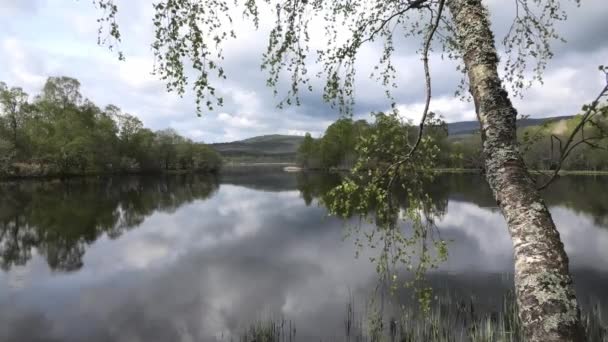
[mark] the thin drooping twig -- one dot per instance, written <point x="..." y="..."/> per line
<point x="427" y="75"/>
<point x="570" y="145"/>
<point x="417" y="4"/>
<point x="428" y="91"/>
<point x="427" y="103"/>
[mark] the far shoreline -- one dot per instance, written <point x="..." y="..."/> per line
<point x="284" y="166"/>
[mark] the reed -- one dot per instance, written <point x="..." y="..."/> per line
<point x="450" y="319"/>
<point x="270" y="331"/>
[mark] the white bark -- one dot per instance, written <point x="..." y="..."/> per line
<point x="545" y="295"/>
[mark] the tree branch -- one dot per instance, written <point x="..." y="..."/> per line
<point x="565" y="150"/>
<point x="427" y="102"/>
<point x="416" y="4"/>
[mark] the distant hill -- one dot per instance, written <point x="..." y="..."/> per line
<point x="274" y="147"/>
<point x="282" y="148"/>
<point x="468" y="127"/>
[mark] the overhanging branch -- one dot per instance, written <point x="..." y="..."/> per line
<point x="428" y="94"/>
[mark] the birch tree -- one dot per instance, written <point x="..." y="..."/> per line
<point x="189" y="37"/>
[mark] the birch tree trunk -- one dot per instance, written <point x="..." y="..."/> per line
<point x="547" y="304"/>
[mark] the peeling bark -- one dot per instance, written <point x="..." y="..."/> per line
<point x="545" y="294"/>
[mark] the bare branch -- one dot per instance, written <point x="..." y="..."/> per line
<point x="570" y="145"/>
<point x="417" y="4"/>
<point x="427" y="102"/>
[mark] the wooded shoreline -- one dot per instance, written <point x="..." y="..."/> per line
<point x="464" y="170"/>
<point x="53" y="176"/>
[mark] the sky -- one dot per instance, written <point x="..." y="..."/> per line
<point x="42" y="38"/>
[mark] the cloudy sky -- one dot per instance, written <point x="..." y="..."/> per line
<point x="41" y="38"/>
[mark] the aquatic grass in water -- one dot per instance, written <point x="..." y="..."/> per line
<point x="455" y="320"/>
<point x="450" y="319"/>
<point x="270" y="331"/>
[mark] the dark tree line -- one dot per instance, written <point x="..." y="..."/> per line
<point x="336" y="149"/>
<point x="60" y="132"/>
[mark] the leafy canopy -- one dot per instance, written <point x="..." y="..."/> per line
<point x="190" y="35"/>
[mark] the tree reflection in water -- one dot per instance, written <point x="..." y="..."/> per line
<point x="59" y="219"/>
<point x="265" y="249"/>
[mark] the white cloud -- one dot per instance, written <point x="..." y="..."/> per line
<point x="238" y="121"/>
<point x="296" y="132"/>
<point x="17" y="58"/>
<point x="566" y="87"/>
<point x="247" y="102"/>
<point x="19" y="5"/>
<point x="137" y="73"/>
<point x="451" y="108"/>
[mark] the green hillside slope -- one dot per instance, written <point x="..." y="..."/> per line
<point x="468" y="127"/>
<point x="265" y="148"/>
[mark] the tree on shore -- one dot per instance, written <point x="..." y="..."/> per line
<point x="191" y="33"/>
<point x="538" y="145"/>
<point x="13" y="103"/>
<point x="62" y="133"/>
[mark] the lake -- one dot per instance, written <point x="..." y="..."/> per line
<point x="201" y="258"/>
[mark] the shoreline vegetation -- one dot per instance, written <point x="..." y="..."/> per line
<point x="344" y="142"/>
<point x="285" y="167"/>
<point x="479" y="171"/>
<point x="55" y="176"/>
<point x="437" y="170"/>
<point x="535" y="172"/>
<point x="60" y="133"/>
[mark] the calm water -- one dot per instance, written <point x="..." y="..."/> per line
<point x="182" y="258"/>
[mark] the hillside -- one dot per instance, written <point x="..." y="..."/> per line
<point x="282" y="148"/>
<point x="468" y="127"/>
<point x="266" y="148"/>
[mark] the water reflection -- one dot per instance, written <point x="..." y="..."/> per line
<point x="204" y="262"/>
<point x="60" y="219"/>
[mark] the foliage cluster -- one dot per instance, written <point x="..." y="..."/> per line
<point x="539" y="145"/>
<point x="60" y="132"/>
<point x="336" y="149"/>
<point x="387" y="186"/>
<point x="542" y="145"/>
<point x="386" y="190"/>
